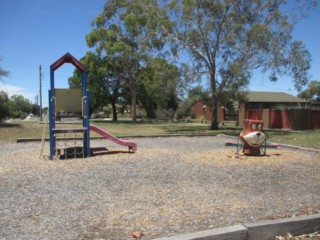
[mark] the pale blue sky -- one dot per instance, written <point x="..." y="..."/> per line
<point x="38" y="32"/>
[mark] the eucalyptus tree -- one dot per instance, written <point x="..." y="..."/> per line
<point x="126" y="34"/>
<point x="225" y="40"/>
<point x="4" y="105"/>
<point x="159" y="83"/>
<point x="4" y="99"/>
<point x="312" y="92"/>
<point x="3" y="72"/>
<point x="19" y="104"/>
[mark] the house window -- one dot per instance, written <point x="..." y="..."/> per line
<point x="230" y="114"/>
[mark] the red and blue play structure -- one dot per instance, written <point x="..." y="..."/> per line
<point x="68" y="58"/>
<point x="74" y="102"/>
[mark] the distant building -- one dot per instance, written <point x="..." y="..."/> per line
<point x="261" y="100"/>
<point x="256" y="106"/>
<point x="259" y="104"/>
<point x="202" y="110"/>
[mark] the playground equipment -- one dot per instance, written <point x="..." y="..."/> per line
<point x="127" y="143"/>
<point x="70" y="103"/>
<point x="254" y="140"/>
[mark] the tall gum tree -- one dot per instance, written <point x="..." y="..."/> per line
<point x="159" y="83"/>
<point x="125" y="32"/>
<point x="225" y="40"/>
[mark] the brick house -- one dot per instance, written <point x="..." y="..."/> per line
<point x="201" y="110"/>
<point x="259" y="105"/>
<point x="264" y="105"/>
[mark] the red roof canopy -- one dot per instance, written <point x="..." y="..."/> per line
<point x="67" y="58"/>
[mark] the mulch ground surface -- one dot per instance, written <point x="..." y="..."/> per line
<point x="170" y="186"/>
<point x="310" y="236"/>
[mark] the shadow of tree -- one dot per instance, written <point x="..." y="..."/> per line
<point x="9" y="125"/>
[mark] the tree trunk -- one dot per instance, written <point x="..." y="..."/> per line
<point x="133" y="100"/>
<point x="214" y="122"/>
<point x="134" y="108"/>
<point x="114" y="111"/>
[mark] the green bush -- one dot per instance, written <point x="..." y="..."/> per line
<point x="4" y="105"/>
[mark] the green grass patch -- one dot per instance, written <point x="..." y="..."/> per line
<point x="307" y="138"/>
<point x="162" y="128"/>
<point x="9" y="132"/>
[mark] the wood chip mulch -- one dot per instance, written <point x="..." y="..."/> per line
<point x="170" y="186"/>
<point x="311" y="236"/>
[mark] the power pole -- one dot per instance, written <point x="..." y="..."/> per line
<point x="40" y="93"/>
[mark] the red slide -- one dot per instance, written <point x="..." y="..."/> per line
<point x="132" y="145"/>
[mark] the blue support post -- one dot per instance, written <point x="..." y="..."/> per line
<point x="51" y="124"/>
<point x="86" y="124"/>
<point x="51" y="79"/>
<point x="86" y="119"/>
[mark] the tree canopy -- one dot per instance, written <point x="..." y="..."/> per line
<point x="221" y="42"/>
<point x="224" y="41"/>
<point x="3" y="72"/>
<point x="123" y="33"/>
<point x="159" y="82"/>
<point x="16" y="106"/>
<point x="312" y="92"/>
<point x="4" y="105"/>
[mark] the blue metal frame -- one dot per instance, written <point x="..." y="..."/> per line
<point x="51" y="114"/>
<point x="86" y="124"/>
<point x="85" y="92"/>
<point x="86" y="119"/>
<point x="51" y="124"/>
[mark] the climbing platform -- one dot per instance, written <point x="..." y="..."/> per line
<point x="68" y="143"/>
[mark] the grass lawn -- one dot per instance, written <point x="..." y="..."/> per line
<point x="306" y="138"/>
<point x="9" y="132"/>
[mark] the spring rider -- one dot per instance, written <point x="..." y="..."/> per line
<point x="253" y="139"/>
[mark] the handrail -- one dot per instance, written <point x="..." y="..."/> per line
<point x="54" y="105"/>
<point x="82" y="106"/>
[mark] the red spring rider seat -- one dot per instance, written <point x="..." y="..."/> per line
<point x="253" y="138"/>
